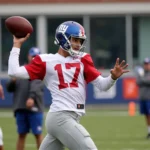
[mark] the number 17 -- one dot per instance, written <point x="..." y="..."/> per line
<point x="73" y="83"/>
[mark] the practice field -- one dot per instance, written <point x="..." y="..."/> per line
<point x="110" y="130"/>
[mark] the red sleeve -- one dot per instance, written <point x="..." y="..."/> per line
<point x="36" y="69"/>
<point x="90" y="72"/>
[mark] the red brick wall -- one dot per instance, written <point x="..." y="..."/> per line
<point x="64" y="1"/>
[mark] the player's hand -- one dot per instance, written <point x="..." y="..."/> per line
<point x="119" y="69"/>
<point x="13" y="79"/>
<point x="30" y="103"/>
<point x="17" y="42"/>
<point x="1" y="92"/>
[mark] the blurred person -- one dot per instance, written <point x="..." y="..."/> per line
<point x="65" y="74"/>
<point x="143" y="81"/>
<point x="1" y="92"/>
<point x="1" y="133"/>
<point x="28" y="105"/>
<point x="1" y="140"/>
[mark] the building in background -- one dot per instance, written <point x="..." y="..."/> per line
<point x="115" y="28"/>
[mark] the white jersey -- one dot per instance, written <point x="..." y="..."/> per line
<point x="66" y="78"/>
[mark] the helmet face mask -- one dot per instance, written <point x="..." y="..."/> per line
<point x="77" y="46"/>
<point x="67" y="31"/>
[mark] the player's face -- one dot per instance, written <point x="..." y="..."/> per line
<point x="76" y="43"/>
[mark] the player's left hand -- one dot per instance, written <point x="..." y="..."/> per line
<point x="30" y="103"/>
<point x="1" y="92"/>
<point x="119" y="69"/>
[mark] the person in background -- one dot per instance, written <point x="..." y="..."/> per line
<point x="1" y="92"/>
<point x="28" y="105"/>
<point x="1" y="133"/>
<point x="1" y="140"/>
<point x="143" y="81"/>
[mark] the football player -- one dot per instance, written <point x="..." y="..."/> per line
<point x="143" y="81"/>
<point x="1" y="133"/>
<point x="65" y="74"/>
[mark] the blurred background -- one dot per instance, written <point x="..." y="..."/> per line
<point x="115" y="28"/>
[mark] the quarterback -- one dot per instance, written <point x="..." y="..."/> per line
<point x="65" y="74"/>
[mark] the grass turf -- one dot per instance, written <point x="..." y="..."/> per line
<point x="110" y="130"/>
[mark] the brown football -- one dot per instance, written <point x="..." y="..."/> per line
<point x="18" y="26"/>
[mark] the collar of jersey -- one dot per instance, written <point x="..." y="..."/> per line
<point x="63" y="56"/>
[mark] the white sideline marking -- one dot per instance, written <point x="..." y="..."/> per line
<point x="98" y="113"/>
<point x="26" y="145"/>
<point x="6" y="114"/>
<point x="128" y="149"/>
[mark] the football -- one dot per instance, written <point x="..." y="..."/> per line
<point x="18" y="26"/>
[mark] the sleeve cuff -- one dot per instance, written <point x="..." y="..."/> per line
<point x="112" y="80"/>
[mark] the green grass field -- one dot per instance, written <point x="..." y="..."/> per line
<point x="110" y="130"/>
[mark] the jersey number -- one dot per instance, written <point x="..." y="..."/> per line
<point x="73" y="83"/>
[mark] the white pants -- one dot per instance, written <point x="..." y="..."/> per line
<point x="1" y="137"/>
<point x="64" y="130"/>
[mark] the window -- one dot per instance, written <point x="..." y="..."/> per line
<point x="7" y="43"/>
<point x="107" y="40"/>
<point x="141" y="39"/>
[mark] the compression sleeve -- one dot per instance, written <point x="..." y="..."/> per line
<point x="103" y="84"/>
<point x="14" y="69"/>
